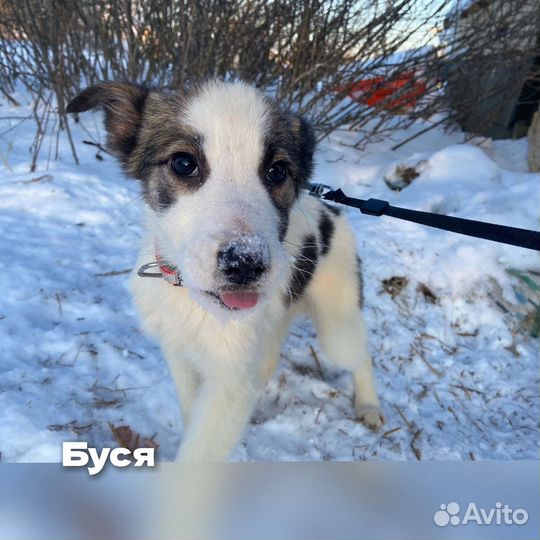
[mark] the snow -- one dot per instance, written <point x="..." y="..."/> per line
<point x="246" y="250"/>
<point x="456" y="366"/>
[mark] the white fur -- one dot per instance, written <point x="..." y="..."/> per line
<point x="221" y="359"/>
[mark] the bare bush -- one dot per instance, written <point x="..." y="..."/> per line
<point x="312" y="55"/>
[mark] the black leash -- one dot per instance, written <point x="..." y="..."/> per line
<point x="488" y="231"/>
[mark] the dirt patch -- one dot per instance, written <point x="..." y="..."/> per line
<point x="401" y="177"/>
<point x="394" y="285"/>
<point x="429" y="296"/>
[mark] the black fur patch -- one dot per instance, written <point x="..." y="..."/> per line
<point x="326" y="230"/>
<point x="334" y="209"/>
<point x="283" y="223"/>
<point x="161" y="185"/>
<point x="360" y="282"/>
<point x="289" y="138"/>
<point x="163" y="134"/>
<point x="305" y="264"/>
<point x="164" y="195"/>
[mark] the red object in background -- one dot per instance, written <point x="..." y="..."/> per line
<point x="372" y="91"/>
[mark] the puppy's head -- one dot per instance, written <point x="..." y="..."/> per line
<point x="221" y="168"/>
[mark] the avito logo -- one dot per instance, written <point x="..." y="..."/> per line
<point x="502" y="514"/>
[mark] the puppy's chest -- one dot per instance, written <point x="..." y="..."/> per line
<point x="180" y="323"/>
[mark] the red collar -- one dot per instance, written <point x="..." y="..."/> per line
<point x="168" y="272"/>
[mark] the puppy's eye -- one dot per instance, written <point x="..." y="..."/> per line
<point x="183" y="164"/>
<point x="277" y="173"/>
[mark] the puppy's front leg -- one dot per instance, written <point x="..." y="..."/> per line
<point x="186" y="381"/>
<point x="219" y="416"/>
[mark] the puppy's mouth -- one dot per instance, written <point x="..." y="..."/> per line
<point x="236" y="299"/>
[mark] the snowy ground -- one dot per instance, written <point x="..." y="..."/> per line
<point x="449" y="325"/>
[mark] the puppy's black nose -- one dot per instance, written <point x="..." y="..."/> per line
<point x="243" y="261"/>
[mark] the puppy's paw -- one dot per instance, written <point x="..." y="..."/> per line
<point x="370" y="415"/>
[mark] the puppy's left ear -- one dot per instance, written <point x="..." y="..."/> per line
<point x="305" y="136"/>
<point x="123" y="104"/>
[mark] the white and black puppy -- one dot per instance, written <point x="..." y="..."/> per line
<point x="222" y="170"/>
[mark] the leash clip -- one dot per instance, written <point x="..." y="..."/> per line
<point x="319" y="190"/>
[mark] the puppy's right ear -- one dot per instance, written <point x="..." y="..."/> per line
<point x="123" y="104"/>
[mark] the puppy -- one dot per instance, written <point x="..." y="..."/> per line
<point x="222" y="170"/>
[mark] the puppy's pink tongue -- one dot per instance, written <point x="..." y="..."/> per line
<point x="239" y="299"/>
